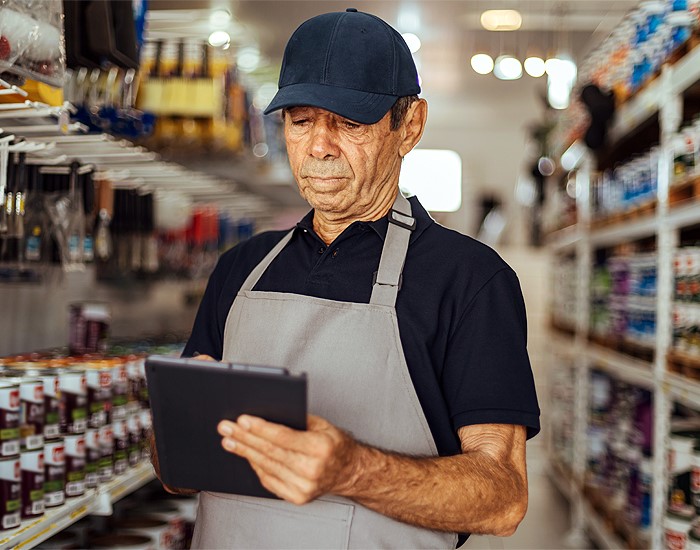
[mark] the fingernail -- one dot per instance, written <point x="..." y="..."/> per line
<point x="244" y="422"/>
<point x="229" y="444"/>
<point x="225" y="429"/>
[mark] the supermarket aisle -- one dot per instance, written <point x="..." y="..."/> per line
<point x="547" y="520"/>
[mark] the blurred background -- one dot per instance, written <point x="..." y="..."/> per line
<point x="133" y="151"/>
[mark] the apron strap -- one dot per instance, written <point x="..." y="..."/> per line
<point x="388" y="280"/>
<point x="252" y="279"/>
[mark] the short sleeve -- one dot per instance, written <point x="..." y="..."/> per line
<point x="487" y="377"/>
<point x="206" y="337"/>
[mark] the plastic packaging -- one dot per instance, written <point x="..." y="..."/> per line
<point x="31" y="40"/>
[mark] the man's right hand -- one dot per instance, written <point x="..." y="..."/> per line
<point x="154" y="451"/>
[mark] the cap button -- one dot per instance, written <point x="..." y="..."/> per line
<point x="354" y="10"/>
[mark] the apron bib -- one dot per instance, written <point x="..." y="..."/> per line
<point x="358" y="380"/>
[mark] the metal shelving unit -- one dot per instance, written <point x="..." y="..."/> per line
<point x="663" y="96"/>
<point x="94" y="502"/>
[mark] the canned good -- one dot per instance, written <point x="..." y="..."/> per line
<point x="73" y="386"/>
<point x="125" y="541"/>
<point x="10" y="493"/>
<point x="133" y="373"/>
<point x="165" y="511"/>
<point x="54" y="473"/>
<point x="158" y="530"/>
<point x="99" y="394"/>
<point x="133" y="424"/>
<point x="9" y="419"/>
<point x="121" y="445"/>
<point x="74" y="451"/>
<point x="52" y="405"/>
<point x="146" y="423"/>
<point x="32" y="465"/>
<point x="120" y="389"/>
<point x="92" y="457"/>
<point x="676" y="528"/>
<point x="32" y="414"/>
<point x="89" y="327"/>
<point x="105" y="469"/>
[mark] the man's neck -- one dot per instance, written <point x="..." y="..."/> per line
<point x="328" y="227"/>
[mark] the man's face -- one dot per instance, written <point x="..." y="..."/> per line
<point x="342" y="168"/>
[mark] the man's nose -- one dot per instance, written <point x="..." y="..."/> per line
<point x="324" y="140"/>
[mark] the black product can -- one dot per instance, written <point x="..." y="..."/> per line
<point x="10" y="493"/>
<point x="92" y="457"/>
<point x="32" y="463"/>
<point x="32" y="414"/>
<point x="9" y="419"/>
<point x="54" y="473"/>
<point x="121" y="445"/>
<point x="52" y="405"/>
<point x="105" y="469"/>
<point x="99" y="394"/>
<point x="133" y="426"/>
<point x="73" y="386"/>
<point x="146" y="423"/>
<point x="120" y="389"/>
<point x="74" y="452"/>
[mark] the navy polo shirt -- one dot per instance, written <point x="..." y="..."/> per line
<point x="460" y="311"/>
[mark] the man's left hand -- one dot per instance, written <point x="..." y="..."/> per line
<point x="297" y="466"/>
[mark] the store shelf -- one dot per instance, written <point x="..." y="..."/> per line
<point x="684" y="215"/>
<point x="562" y="479"/>
<point x="626" y="368"/>
<point x="564" y="238"/>
<point x="95" y="501"/>
<point x="636" y="110"/>
<point x="683" y="389"/>
<point x="686" y="72"/>
<point x="629" y="230"/>
<point x="597" y="530"/>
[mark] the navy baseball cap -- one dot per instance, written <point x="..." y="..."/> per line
<point x="350" y="63"/>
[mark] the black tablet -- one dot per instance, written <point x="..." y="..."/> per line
<point x="188" y="400"/>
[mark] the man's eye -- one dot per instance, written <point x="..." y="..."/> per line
<point x="351" y="125"/>
<point x="299" y="121"/>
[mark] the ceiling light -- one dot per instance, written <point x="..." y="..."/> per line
<point x="508" y="68"/>
<point x="561" y="69"/>
<point x="248" y="59"/>
<point x="219" y="38"/>
<point x="412" y="41"/>
<point x="535" y="66"/>
<point x="219" y="19"/>
<point x="558" y="94"/>
<point x="482" y="63"/>
<point x="501" y="20"/>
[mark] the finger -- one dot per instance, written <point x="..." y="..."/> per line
<point x="282" y="436"/>
<point x="235" y="435"/>
<point x="225" y="428"/>
<point x="271" y="468"/>
<point x="281" y="489"/>
<point x="204" y="358"/>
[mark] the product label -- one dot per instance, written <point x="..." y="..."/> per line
<point x="9" y="421"/>
<point x="33" y="250"/>
<point x="52" y="407"/>
<point x="32" y="484"/>
<point x="676" y="540"/>
<point x="75" y="465"/>
<point x="88" y="249"/>
<point x="105" y="467"/>
<point x="10" y="493"/>
<point x="32" y="414"/>
<point x="54" y="474"/>
<point x="75" y="252"/>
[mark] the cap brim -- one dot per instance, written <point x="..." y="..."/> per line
<point x="362" y="107"/>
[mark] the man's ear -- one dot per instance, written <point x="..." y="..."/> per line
<point x="413" y="126"/>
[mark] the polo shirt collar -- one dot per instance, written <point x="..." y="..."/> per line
<point x="381" y="226"/>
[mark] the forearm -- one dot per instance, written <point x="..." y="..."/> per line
<point x="472" y="492"/>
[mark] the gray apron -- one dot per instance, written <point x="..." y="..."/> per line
<point x="358" y="380"/>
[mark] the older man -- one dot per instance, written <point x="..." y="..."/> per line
<point x="413" y="336"/>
